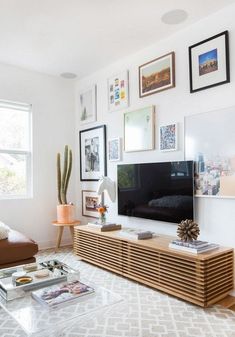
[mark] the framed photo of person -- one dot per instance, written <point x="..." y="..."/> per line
<point x="209" y="62"/>
<point x="93" y="153"/>
<point x="90" y="202"/>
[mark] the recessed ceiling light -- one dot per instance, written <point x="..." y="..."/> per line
<point x="68" y="75"/>
<point x="174" y="17"/>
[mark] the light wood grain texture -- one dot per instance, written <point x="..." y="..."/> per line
<point x="60" y="228"/>
<point x="202" y="279"/>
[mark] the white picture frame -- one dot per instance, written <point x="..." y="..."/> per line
<point x="118" y="91"/>
<point x="114" y="149"/>
<point x="168" y="137"/>
<point x="87" y="105"/>
<point x="139" y="127"/>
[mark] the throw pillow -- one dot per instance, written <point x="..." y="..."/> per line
<point x="4" y="230"/>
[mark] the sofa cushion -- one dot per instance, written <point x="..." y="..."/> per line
<point x="16" y="248"/>
<point x="4" y="230"/>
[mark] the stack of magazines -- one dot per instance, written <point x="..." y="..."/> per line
<point x="61" y="293"/>
<point x="195" y="247"/>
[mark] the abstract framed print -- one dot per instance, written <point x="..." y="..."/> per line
<point x="139" y="130"/>
<point x="87" y="105"/>
<point x="168" y="137"/>
<point x="118" y="91"/>
<point x="114" y="149"/>
<point x="209" y="62"/>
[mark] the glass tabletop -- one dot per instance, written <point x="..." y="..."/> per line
<point x="37" y="319"/>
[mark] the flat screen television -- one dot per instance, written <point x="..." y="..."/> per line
<point x="156" y="191"/>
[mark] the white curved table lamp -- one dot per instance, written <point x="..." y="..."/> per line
<point x="106" y="184"/>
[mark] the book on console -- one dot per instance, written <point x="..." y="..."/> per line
<point x="209" y="247"/>
<point x="108" y="226"/>
<point x="61" y="293"/>
<point x="191" y="244"/>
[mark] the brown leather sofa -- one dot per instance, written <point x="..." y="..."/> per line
<point x="17" y="249"/>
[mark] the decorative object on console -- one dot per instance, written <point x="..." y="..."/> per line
<point x="168" y="137"/>
<point x="102" y="210"/>
<point x="114" y="149"/>
<point x="209" y="62"/>
<point x="214" y="156"/>
<point x="65" y="211"/>
<point x="93" y="153"/>
<point x="188" y="230"/>
<point x="107" y="184"/>
<point x="87" y="105"/>
<point x="90" y="201"/>
<point x="118" y="91"/>
<point x="139" y="129"/>
<point x="157" y="75"/>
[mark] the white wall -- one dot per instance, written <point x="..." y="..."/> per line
<point x="215" y="216"/>
<point x="53" y="126"/>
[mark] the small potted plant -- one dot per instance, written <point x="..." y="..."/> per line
<point x="65" y="210"/>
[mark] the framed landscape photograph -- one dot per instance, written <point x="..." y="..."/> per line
<point x="118" y="91"/>
<point x="114" y="149"/>
<point x="157" y="75"/>
<point x="90" y="202"/>
<point x="93" y="153"/>
<point x="168" y="137"/>
<point x="87" y="105"/>
<point x="209" y="62"/>
<point x="139" y="130"/>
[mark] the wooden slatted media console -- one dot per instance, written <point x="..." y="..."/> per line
<point x="202" y="279"/>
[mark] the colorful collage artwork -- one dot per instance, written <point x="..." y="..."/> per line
<point x="118" y="96"/>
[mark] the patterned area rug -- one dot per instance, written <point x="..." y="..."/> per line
<point x="144" y="313"/>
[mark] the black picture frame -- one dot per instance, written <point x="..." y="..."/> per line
<point x="203" y="61"/>
<point x="93" y="155"/>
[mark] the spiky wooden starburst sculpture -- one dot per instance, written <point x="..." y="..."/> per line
<point x="188" y="230"/>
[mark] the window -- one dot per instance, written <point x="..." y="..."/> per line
<point x="15" y="150"/>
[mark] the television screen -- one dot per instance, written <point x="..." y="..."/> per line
<point x="157" y="191"/>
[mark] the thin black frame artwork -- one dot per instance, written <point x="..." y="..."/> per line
<point x="209" y="62"/>
<point x="93" y="157"/>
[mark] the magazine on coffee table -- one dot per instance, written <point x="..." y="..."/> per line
<point x="60" y="293"/>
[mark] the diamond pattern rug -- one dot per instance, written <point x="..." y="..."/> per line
<point x="144" y="313"/>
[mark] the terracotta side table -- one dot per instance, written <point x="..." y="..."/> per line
<point x="60" y="230"/>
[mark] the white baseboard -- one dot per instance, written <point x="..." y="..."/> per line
<point x="51" y="244"/>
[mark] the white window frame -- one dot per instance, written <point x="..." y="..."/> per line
<point x="27" y="152"/>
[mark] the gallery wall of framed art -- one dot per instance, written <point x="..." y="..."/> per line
<point x="172" y="107"/>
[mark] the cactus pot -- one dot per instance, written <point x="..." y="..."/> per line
<point x="65" y="213"/>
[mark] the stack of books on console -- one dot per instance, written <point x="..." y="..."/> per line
<point x="195" y="247"/>
<point x="107" y="227"/>
<point x="136" y="234"/>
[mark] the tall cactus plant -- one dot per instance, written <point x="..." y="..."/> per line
<point x="63" y="177"/>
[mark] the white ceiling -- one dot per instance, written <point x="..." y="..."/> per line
<point x="81" y="36"/>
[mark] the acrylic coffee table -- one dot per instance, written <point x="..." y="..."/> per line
<point x="40" y="321"/>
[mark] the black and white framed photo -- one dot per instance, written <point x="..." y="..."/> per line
<point x="209" y="62"/>
<point x="114" y="149"/>
<point x="93" y="153"/>
<point x="168" y="137"/>
<point x="90" y="201"/>
<point x="87" y="105"/>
